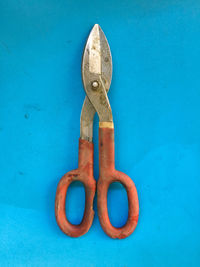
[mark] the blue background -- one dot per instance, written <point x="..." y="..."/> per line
<point x="154" y="95"/>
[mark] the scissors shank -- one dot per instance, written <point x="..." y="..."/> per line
<point x="87" y="116"/>
<point x="99" y="98"/>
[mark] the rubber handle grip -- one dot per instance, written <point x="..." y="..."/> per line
<point x="108" y="175"/>
<point x="84" y="174"/>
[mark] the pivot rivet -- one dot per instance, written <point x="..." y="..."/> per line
<point x="95" y="85"/>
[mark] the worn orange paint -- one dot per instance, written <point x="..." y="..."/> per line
<point x="84" y="174"/>
<point x="108" y="175"/>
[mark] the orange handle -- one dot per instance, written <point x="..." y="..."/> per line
<point x="84" y="174"/>
<point x="108" y="175"/>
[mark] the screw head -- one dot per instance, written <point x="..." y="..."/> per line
<point x="95" y="85"/>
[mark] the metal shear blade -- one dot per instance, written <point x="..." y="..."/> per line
<point x="96" y="76"/>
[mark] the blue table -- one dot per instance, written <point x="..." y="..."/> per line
<point x="155" y="96"/>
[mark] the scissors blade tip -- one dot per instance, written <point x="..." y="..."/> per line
<point x="96" y="31"/>
<point x="97" y="56"/>
<point x="96" y="25"/>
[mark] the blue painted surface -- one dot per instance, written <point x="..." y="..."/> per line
<point x="155" y="96"/>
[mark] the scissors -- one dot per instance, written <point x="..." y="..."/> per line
<point x="96" y="77"/>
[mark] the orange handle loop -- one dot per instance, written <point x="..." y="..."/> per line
<point x="84" y="174"/>
<point x="108" y="175"/>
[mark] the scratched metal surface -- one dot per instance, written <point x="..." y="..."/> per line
<point x="155" y="101"/>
